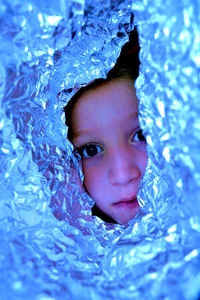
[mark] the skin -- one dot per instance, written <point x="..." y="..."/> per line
<point x="107" y="135"/>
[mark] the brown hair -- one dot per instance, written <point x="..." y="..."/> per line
<point x="127" y="66"/>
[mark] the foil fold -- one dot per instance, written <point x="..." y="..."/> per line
<point x="51" y="246"/>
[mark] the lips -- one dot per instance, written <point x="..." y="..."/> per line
<point x="127" y="203"/>
<point x="127" y="199"/>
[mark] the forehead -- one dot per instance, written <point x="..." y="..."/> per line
<point x="109" y="102"/>
<point x="117" y="93"/>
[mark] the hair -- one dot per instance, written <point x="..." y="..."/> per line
<point x="127" y="66"/>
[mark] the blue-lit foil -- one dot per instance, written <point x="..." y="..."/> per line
<point x="51" y="246"/>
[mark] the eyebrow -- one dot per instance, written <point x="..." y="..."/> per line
<point x="79" y="133"/>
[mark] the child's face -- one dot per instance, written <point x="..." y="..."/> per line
<point x="106" y="131"/>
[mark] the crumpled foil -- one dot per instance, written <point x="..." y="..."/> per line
<point x="51" y="246"/>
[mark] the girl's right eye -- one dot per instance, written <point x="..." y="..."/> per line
<point x="89" y="150"/>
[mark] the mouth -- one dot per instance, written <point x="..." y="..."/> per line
<point x="127" y="203"/>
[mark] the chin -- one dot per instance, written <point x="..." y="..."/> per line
<point x="123" y="221"/>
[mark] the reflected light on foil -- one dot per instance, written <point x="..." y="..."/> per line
<point x="51" y="245"/>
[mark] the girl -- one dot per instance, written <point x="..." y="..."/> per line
<point x="103" y="126"/>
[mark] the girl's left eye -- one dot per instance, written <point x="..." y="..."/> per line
<point x="139" y="137"/>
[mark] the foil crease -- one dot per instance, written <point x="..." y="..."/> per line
<point x="51" y="246"/>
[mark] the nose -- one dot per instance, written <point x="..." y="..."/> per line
<point x="123" y="167"/>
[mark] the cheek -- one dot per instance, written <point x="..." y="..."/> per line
<point x="143" y="161"/>
<point x="93" y="180"/>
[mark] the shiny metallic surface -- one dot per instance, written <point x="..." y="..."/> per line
<point x="51" y="246"/>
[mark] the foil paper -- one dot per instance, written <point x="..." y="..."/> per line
<point x="51" y="246"/>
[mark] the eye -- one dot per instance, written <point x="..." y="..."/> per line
<point x="89" y="150"/>
<point x="139" y="137"/>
